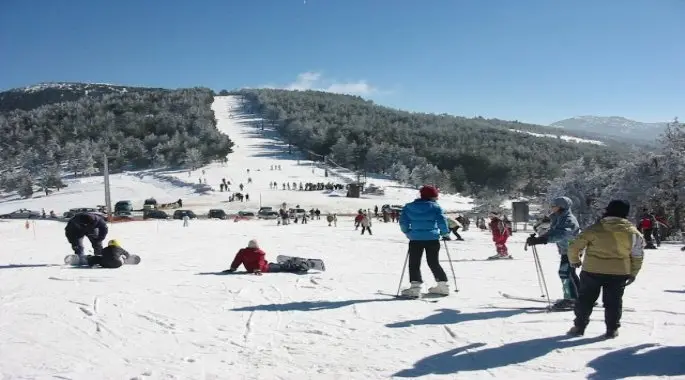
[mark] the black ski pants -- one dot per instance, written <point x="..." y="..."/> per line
<point x="287" y="267"/>
<point x="366" y="229"/>
<point x="432" y="248"/>
<point x="612" y="287"/>
<point x="454" y="231"/>
<point x="75" y="239"/>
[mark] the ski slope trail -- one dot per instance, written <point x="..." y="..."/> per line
<point x="171" y="317"/>
<point x="257" y="151"/>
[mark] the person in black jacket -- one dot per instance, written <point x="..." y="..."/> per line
<point x="87" y="224"/>
<point x="111" y="256"/>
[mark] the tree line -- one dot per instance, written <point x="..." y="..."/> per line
<point x="655" y="181"/>
<point x="136" y="130"/>
<point x="470" y="155"/>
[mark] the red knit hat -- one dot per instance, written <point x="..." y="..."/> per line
<point x="428" y="192"/>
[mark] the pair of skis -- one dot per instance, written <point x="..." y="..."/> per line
<point x="543" y="300"/>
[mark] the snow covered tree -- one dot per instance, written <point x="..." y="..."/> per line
<point x="399" y="172"/>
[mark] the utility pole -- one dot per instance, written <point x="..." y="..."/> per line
<point x="108" y="199"/>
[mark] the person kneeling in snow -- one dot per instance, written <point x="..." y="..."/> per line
<point x="109" y="257"/>
<point x="253" y="258"/>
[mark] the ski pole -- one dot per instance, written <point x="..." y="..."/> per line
<point x="454" y="275"/>
<point x="538" y="266"/>
<point x="404" y="267"/>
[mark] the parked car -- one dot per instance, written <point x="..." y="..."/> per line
<point x="264" y="211"/>
<point x="123" y="207"/>
<point x="22" y="214"/>
<point x="179" y="214"/>
<point x="247" y="214"/>
<point x="217" y="214"/>
<point x="269" y="215"/>
<point x="155" y="214"/>
<point x="73" y="211"/>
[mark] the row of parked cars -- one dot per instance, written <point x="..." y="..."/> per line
<point x="263" y="213"/>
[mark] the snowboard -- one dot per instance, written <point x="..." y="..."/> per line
<point x="313" y="263"/>
<point x="75" y="261"/>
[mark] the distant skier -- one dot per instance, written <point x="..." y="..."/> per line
<point x="332" y="218"/>
<point x="423" y="222"/>
<point x="87" y="224"/>
<point x="110" y="257"/>
<point x="563" y="229"/>
<point x="366" y="224"/>
<point x="454" y="226"/>
<point x="613" y="258"/>
<point x="647" y="226"/>
<point x="253" y="258"/>
<point x="500" y="235"/>
<point x="186" y="219"/>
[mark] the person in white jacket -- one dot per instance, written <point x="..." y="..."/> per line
<point x="366" y="224"/>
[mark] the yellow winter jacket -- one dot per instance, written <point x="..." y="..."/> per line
<point x="612" y="246"/>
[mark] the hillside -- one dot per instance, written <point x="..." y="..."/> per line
<point x="614" y="127"/>
<point x="30" y="97"/>
<point x="136" y="128"/>
<point x="462" y="154"/>
<point x="256" y="150"/>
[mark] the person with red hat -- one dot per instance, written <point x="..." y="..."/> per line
<point x="423" y="222"/>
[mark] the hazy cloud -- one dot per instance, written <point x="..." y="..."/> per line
<point x="315" y="81"/>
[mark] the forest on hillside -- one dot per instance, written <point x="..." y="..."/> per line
<point x="655" y="181"/>
<point x="467" y="155"/>
<point x="136" y="130"/>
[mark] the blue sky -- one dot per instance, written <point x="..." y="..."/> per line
<point x="530" y="60"/>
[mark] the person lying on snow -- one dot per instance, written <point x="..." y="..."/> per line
<point x="109" y="257"/>
<point x="253" y="258"/>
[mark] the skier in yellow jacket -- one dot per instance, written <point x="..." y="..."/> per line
<point x="614" y="249"/>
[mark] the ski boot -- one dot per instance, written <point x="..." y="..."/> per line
<point x="498" y="256"/>
<point x="441" y="289"/>
<point x="414" y="291"/>
<point x="564" y="304"/>
<point x="576" y="331"/>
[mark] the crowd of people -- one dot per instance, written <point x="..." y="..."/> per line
<point x="612" y="249"/>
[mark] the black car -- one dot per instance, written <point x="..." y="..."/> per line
<point x="179" y="214"/>
<point x="217" y="214"/>
<point x="155" y="214"/>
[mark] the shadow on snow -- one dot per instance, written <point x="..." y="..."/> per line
<point x="14" y="266"/>
<point x="313" y="305"/>
<point x="462" y="359"/>
<point x="449" y="316"/>
<point x="627" y="362"/>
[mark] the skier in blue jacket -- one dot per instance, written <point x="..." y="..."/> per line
<point x="423" y="222"/>
<point x="562" y="230"/>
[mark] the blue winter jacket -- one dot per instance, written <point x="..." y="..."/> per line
<point x="423" y="220"/>
<point x="562" y="230"/>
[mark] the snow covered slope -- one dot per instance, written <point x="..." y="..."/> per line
<point x="169" y="318"/>
<point x="255" y="150"/>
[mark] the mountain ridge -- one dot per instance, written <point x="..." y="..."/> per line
<point x="612" y="126"/>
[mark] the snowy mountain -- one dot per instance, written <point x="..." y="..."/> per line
<point x="613" y="126"/>
<point x="30" y="97"/>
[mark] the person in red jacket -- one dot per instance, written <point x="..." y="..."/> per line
<point x="500" y="234"/>
<point x="253" y="258"/>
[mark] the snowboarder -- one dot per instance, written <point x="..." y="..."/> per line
<point x="613" y="258"/>
<point x="562" y="230"/>
<point x="500" y="234"/>
<point x="87" y="224"/>
<point x="253" y="258"/>
<point x="110" y="257"/>
<point x="423" y="222"/>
